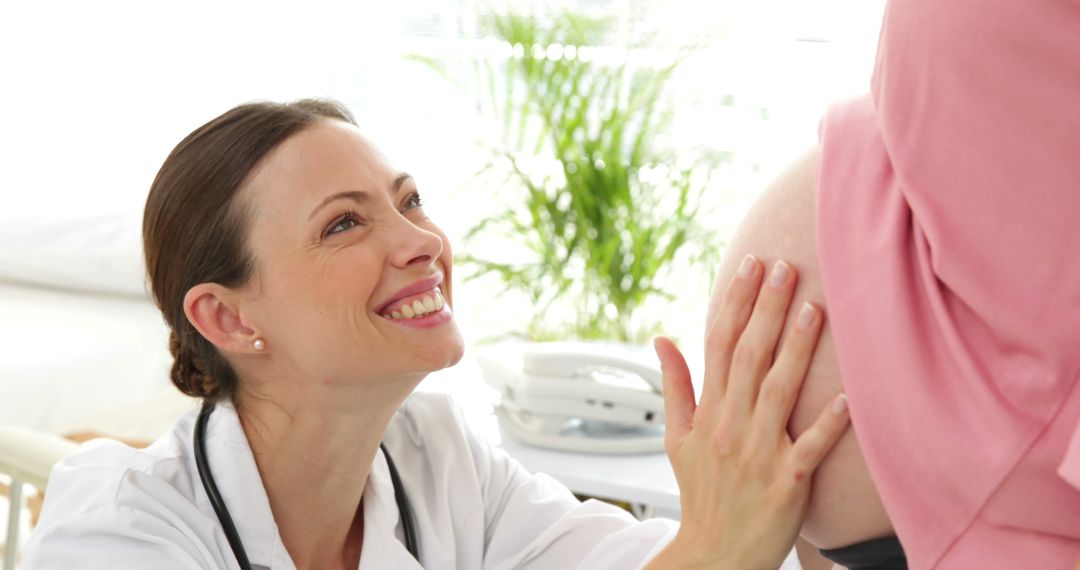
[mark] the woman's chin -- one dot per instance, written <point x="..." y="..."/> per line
<point x="454" y="356"/>
<point x="442" y="356"/>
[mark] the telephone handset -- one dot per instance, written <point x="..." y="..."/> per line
<point x="577" y="396"/>
<point x="576" y="360"/>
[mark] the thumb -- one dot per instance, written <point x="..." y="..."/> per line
<point x="679" y="403"/>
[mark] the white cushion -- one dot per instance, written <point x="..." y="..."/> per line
<point x="70" y="358"/>
<point x="97" y="253"/>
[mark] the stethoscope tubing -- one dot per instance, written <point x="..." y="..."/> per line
<point x="203" y="465"/>
<point x="404" y="509"/>
<point x="216" y="501"/>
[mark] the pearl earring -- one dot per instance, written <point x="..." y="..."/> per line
<point x="259" y="344"/>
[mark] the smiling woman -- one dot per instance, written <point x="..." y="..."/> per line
<point x="285" y="255"/>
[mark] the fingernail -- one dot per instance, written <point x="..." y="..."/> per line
<point x="806" y="316"/>
<point x="779" y="274"/>
<point x="840" y="405"/>
<point x="747" y="267"/>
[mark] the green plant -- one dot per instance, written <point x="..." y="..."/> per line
<point x="603" y="214"/>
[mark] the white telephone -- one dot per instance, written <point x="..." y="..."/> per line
<point x="575" y="396"/>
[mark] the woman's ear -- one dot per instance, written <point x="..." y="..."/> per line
<point x="213" y="311"/>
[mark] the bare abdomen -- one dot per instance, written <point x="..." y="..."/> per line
<point x="845" y="507"/>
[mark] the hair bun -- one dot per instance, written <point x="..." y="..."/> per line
<point x="189" y="372"/>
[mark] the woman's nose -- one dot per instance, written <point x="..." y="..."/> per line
<point x="413" y="244"/>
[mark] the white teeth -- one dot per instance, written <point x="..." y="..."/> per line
<point x="430" y="303"/>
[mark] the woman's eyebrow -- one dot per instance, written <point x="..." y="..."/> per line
<point x="355" y="195"/>
<point x="400" y="180"/>
<point x="358" y="195"/>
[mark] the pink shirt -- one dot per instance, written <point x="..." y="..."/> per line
<point x="949" y="236"/>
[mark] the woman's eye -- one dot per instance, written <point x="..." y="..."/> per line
<point x="341" y="224"/>
<point x="414" y="201"/>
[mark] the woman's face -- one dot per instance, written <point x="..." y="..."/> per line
<point x="344" y="256"/>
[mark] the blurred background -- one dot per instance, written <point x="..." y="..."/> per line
<point x="97" y="93"/>
<point x="588" y="159"/>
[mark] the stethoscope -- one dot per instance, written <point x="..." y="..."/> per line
<point x="404" y="510"/>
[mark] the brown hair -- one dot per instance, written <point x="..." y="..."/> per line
<point x="194" y="228"/>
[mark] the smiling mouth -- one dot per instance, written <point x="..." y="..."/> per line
<point x="416" y="306"/>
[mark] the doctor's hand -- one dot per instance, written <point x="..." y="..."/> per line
<point x="744" y="483"/>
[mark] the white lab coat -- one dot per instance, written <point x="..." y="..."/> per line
<point x="111" y="506"/>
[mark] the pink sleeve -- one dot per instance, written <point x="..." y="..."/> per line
<point x="949" y="236"/>
<point x="978" y="104"/>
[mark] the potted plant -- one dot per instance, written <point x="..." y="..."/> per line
<point x="597" y="209"/>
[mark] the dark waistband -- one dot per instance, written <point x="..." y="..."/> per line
<point x="878" y="554"/>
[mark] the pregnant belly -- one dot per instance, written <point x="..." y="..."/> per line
<point x="845" y="507"/>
